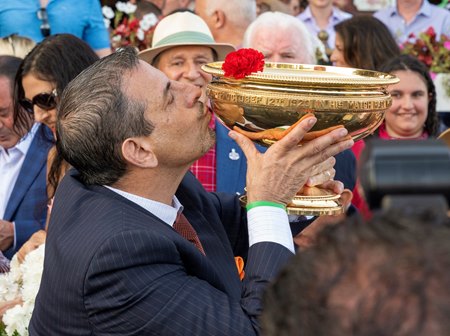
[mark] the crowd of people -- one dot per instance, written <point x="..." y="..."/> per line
<point x="113" y="163"/>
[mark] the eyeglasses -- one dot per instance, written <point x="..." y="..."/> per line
<point x="45" y="25"/>
<point x="46" y="101"/>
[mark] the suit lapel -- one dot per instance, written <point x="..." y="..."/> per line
<point x="35" y="159"/>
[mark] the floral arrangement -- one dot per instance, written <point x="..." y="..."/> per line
<point x="432" y="52"/>
<point x="125" y="29"/>
<point x="22" y="281"/>
<point x="243" y="62"/>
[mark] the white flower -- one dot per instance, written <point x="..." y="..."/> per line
<point x="17" y="318"/>
<point x="108" y="12"/>
<point x="107" y="22"/>
<point x="127" y="8"/>
<point x="9" y="288"/>
<point x="23" y="281"/>
<point x="140" y="34"/>
<point x="32" y="272"/>
<point x="148" y="21"/>
<point x="121" y="6"/>
<point x="116" y="38"/>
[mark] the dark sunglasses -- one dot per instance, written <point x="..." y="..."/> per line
<point x="46" y="101"/>
<point x="45" y="25"/>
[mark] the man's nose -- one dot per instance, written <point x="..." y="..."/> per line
<point x="192" y="71"/>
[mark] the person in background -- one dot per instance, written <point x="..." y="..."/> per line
<point x="227" y="19"/>
<point x="320" y="17"/>
<point x="117" y="258"/>
<point x="15" y="45"/>
<point x="283" y="38"/>
<point x="41" y="78"/>
<point x="384" y="277"/>
<point x="412" y="114"/>
<point x="363" y="42"/>
<point x="39" y="19"/>
<point x="408" y="17"/>
<point x="23" y="154"/>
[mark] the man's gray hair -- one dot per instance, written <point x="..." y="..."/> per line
<point x="278" y="20"/>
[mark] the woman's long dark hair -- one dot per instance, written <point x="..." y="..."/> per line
<point x="57" y="59"/>
<point x="411" y="63"/>
<point x="367" y="42"/>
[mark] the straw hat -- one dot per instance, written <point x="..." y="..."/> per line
<point x="181" y="29"/>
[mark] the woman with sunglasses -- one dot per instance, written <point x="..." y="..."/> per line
<point x="42" y="76"/>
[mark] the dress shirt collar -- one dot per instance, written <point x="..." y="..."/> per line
<point x="165" y="212"/>
<point x="425" y="10"/>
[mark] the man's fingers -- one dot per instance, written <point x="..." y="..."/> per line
<point x="328" y="145"/>
<point x="296" y="135"/>
<point x="333" y="185"/>
<point x="321" y="177"/>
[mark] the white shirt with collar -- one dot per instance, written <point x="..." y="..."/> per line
<point x="265" y="223"/>
<point x="11" y="161"/>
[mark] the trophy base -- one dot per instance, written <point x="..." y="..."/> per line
<point x="312" y="205"/>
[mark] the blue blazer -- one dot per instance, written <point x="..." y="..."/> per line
<point x="232" y="165"/>
<point x="111" y="267"/>
<point x="27" y="205"/>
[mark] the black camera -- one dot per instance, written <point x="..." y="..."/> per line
<point x="413" y="173"/>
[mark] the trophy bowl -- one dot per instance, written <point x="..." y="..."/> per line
<point x="283" y="93"/>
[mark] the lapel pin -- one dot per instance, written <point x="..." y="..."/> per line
<point x="233" y="155"/>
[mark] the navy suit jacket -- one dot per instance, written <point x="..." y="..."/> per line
<point x="232" y="165"/>
<point x="111" y="267"/>
<point x="27" y="205"/>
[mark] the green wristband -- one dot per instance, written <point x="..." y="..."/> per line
<point x="265" y="203"/>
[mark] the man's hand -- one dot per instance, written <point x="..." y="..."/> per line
<point x="286" y="167"/>
<point x="6" y="235"/>
<point x="36" y="240"/>
<point x="307" y="237"/>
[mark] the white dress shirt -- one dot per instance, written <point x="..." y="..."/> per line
<point x="11" y="161"/>
<point x="265" y="223"/>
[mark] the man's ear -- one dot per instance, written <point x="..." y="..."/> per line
<point x="138" y="152"/>
<point x="218" y="19"/>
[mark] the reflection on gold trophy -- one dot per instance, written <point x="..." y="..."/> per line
<point x="263" y="105"/>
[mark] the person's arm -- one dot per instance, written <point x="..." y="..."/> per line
<point x="139" y="282"/>
<point x="95" y="32"/>
<point x="6" y="235"/>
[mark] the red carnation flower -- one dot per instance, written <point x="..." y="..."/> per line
<point x="430" y="32"/>
<point x="243" y="62"/>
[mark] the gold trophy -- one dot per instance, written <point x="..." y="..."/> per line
<point x="282" y="93"/>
